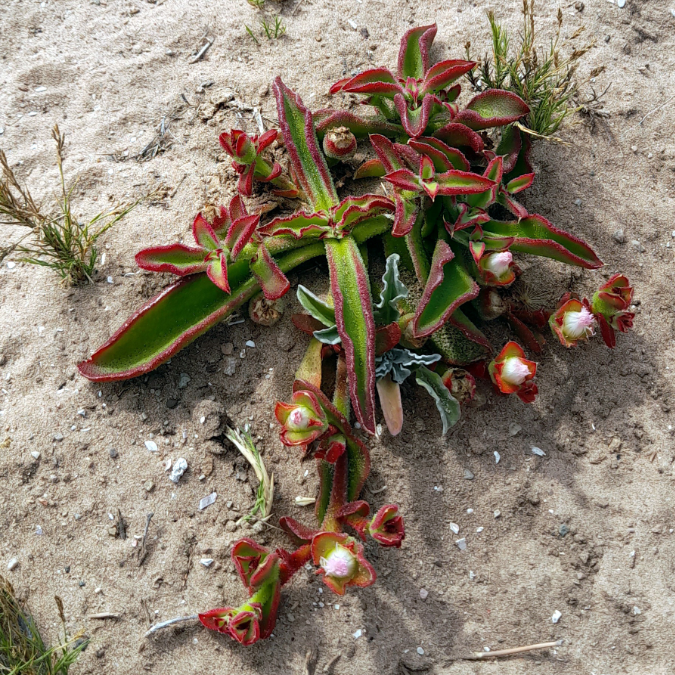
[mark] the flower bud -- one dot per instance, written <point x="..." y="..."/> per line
<point x="341" y="562"/>
<point x="302" y="421"/>
<point x="512" y="373"/>
<point x="339" y="143"/>
<point x="497" y="269"/>
<point x="573" y="321"/>
<point x="265" y="312"/>
<point x="387" y="526"/>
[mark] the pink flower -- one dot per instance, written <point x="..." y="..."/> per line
<point x="573" y="321"/>
<point x="341" y="562"/>
<point x="498" y="268"/>
<point x="512" y="373"/>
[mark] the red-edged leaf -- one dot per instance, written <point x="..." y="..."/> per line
<point x="386" y="153"/>
<point x="306" y="323"/>
<point x="537" y="236"/>
<point x="448" y="286"/>
<point x="404" y="179"/>
<point x="387" y="337"/>
<point x="509" y="147"/>
<point x="414" y="121"/>
<point x="203" y="234"/>
<point x="493" y="172"/>
<point x="409" y="156"/>
<point x="176" y="317"/>
<point x="298" y="225"/>
<point x="310" y="366"/>
<point x="389" y="393"/>
<point x="508" y="202"/>
<point x="272" y="280"/>
<point x="522" y="164"/>
<point x="217" y="272"/>
<point x="443" y="74"/>
<point x="519" y="184"/>
<point x="221" y="222"/>
<point x="460" y="321"/>
<point x="245" y="184"/>
<point x="460" y="136"/>
<point x="443" y="156"/>
<point x="274" y="173"/>
<point x="359" y="125"/>
<point x="533" y="341"/>
<point x="372" y="168"/>
<point x="492" y="108"/>
<point x="468" y="217"/>
<point x="237" y="209"/>
<point x="239" y="234"/>
<point x="296" y="531"/>
<point x="355" y="323"/>
<point x="376" y="81"/>
<point x="477" y="249"/>
<point x="413" y="55"/>
<point x="174" y="258"/>
<point x="405" y="215"/>
<point x="267" y="139"/>
<point x="455" y="182"/>
<point x="353" y="210"/>
<point x="302" y="146"/>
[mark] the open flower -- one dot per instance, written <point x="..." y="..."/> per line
<point x="387" y="527"/>
<point x="610" y="306"/>
<point x="302" y="421"/>
<point x="497" y="269"/>
<point x="341" y="561"/>
<point x="512" y="373"/>
<point x="573" y="321"/>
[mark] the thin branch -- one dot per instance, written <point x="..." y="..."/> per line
<point x="171" y="622"/>
<point x="479" y="656"/>
<point x="655" y="109"/>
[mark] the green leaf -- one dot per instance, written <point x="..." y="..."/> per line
<point x="393" y="290"/>
<point x="413" y="55"/>
<point x="328" y="336"/>
<point x="354" y="317"/>
<point x="447" y="405"/>
<point x="176" y="317"/>
<point x="297" y="127"/>
<point x="400" y="363"/>
<point x="316" y="307"/>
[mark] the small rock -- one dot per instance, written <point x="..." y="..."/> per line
<point x="149" y="486"/>
<point x="357" y="634"/>
<point x="179" y="468"/>
<point x="497" y="513"/>
<point x="250" y="343"/>
<point x="514" y="429"/>
<point x="58" y="437"/>
<point x="112" y="531"/>
<point x="621" y="3"/>
<point x="98" y="590"/>
<point x="538" y="451"/>
<point x="183" y="380"/>
<point x="227" y="349"/>
<point x="420" y="651"/>
<point x="207" y="501"/>
<point x="556" y="616"/>
<point x="454" y="528"/>
<point x="424" y="593"/>
<point x="563" y="530"/>
<point x="577" y="202"/>
<point x="364" y="33"/>
<point x="230" y="526"/>
<point x="210" y="412"/>
<point x="13" y="564"/>
<point x="461" y="544"/>
<point x="497" y="457"/>
<point x="230" y="366"/>
<point x="171" y="403"/>
<point x="579" y="6"/>
<point x="151" y="445"/>
<point x="352" y="24"/>
<point x="619" y="237"/>
<point x="207" y="562"/>
<point x="113" y="453"/>
<point x="35" y="454"/>
<point x="637" y="246"/>
<point x="468" y="475"/>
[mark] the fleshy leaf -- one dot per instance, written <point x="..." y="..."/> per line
<point x="405" y="215"/>
<point x="298" y="225"/>
<point x="400" y="363"/>
<point x="239" y="233"/>
<point x="492" y="108"/>
<point x="443" y="156"/>
<point x="444" y="73"/>
<point x="374" y="81"/>
<point x="519" y="184"/>
<point x="174" y="258"/>
<point x="176" y="317"/>
<point x="393" y="291"/>
<point x="455" y="182"/>
<point x="353" y="210"/>
<point x="316" y="307"/>
<point x="537" y="236"/>
<point x="217" y="271"/>
<point x="354" y="318"/>
<point x="359" y="125"/>
<point x="203" y="234"/>
<point x="328" y="336"/>
<point x="272" y="280"/>
<point x="372" y="168"/>
<point x="303" y="150"/>
<point x="389" y="393"/>
<point x="447" y="404"/>
<point x="459" y="136"/>
<point x="509" y="147"/>
<point x="448" y="286"/>
<point x="415" y="120"/>
<point x="413" y="55"/>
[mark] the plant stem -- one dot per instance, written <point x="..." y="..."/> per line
<point x="477" y="656"/>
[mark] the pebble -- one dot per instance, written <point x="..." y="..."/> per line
<point x="227" y="349"/>
<point x="207" y="501"/>
<point x="479" y="529"/>
<point x="183" y="380"/>
<point x="171" y="403"/>
<point x="110" y="280"/>
<point x="13" y="564"/>
<point x="563" y="530"/>
<point x="637" y="245"/>
<point x="556" y="616"/>
<point x="352" y="24"/>
<point x="151" y="445"/>
<point x="497" y="513"/>
<point x="619" y="237"/>
<point x="98" y="590"/>
<point x="35" y="454"/>
<point x="461" y="544"/>
<point x="424" y="593"/>
<point x="113" y="453"/>
<point x="11" y="265"/>
<point x="497" y="457"/>
<point x="38" y="530"/>
<point x="207" y="562"/>
<point x="621" y="3"/>
<point x="454" y="528"/>
<point x="358" y="634"/>
<point x="514" y="429"/>
<point x="420" y="651"/>
<point x="149" y="486"/>
<point x="250" y="343"/>
<point x="577" y="202"/>
<point x="538" y="451"/>
<point x="230" y="366"/>
<point x="179" y="468"/>
<point x="58" y="437"/>
<point x="468" y="475"/>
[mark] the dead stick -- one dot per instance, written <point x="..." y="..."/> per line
<point x="200" y="54"/>
<point x="171" y="622"/>
<point x="477" y="656"/>
<point x="143" y="551"/>
<point x="104" y="615"/>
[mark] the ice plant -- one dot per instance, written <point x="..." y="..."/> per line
<point x="573" y="321"/>
<point x="497" y="269"/>
<point x="302" y="421"/>
<point x="610" y="305"/>
<point x="512" y="373"/>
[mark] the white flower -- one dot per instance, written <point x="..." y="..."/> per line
<point x="498" y="263"/>
<point x="298" y="419"/>
<point x="577" y="325"/>
<point x="340" y="564"/>
<point x="515" y="371"/>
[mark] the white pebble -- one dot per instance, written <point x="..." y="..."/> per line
<point x="497" y="457"/>
<point x="207" y="501"/>
<point x="35" y="454"/>
<point x="556" y="616"/>
<point x="109" y="280"/>
<point x="454" y="528"/>
<point x="479" y="529"/>
<point x="424" y="593"/>
<point x="13" y="564"/>
<point x="352" y="24"/>
<point x="179" y="468"/>
<point x="358" y="634"/>
<point x="469" y="511"/>
<point x="461" y="544"/>
<point x="420" y="651"/>
<point x="250" y="343"/>
<point x="538" y="451"/>
<point x="621" y="3"/>
<point x="151" y="445"/>
<point x="40" y="89"/>
<point x="636" y="611"/>
<point x="207" y="562"/>
<point x="497" y="513"/>
<point x="98" y="590"/>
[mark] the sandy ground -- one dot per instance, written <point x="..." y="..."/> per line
<point x="108" y="73"/>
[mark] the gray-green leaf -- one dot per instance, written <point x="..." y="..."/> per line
<point x="447" y="405"/>
<point x="316" y="307"/>
<point x="401" y="362"/>
<point x="329" y="336"/>
<point x="393" y="291"/>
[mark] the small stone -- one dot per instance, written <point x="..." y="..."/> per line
<point x="479" y="529"/>
<point x="556" y="616"/>
<point x="461" y="544"/>
<point x="468" y="475"/>
<point x="58" y="437"/>
<point x="207" y="501"/>
<point x="424" y="593"/>
<point x="514" y="429"/>
<point x="250" y="343"/>
<point x="497" y="457"/>
<point x="563" y="530"/>
<point x="149" y="486"/>
<point x="13" y="564"/>
<point x="454" y="528"/>
<point x="112" y="531"/>
<point x="352" y="24"/>
<point x="35" y="454"/>
<point x="420" y="651"/>
<point x="497" y="513"/>
<point x="179" y="468"/>
<point x="577" y="202"/>
<point x="538" y="451"/>
<point x="183" y="380"/>
<point x="230" y="366"/>
<point x="357" y="634"/>
<point x="579" y="6"/>
<point x="171" y="403"/>
<point x="98" y="590"/>
<point x="207" y="562"/>
<point x="637" y="246"/>
<point x="621" y="3"/>
<point x="81" y="584"/>
<point x="230" y="526"/>
<point x="227" y="349"/>
<point x="113" y="453"/>
<point x="151" y="445"/>
<point x="619" y="237"/>
<point x="110" y="280"/>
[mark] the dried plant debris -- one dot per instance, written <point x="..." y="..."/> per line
<point x="541" y="76"/>
<point x="56" y="238"/>
<point x="22" y="649"/>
